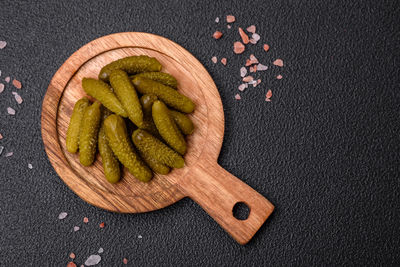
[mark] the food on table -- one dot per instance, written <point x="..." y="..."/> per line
<point x="75" y="124"/>
<point x="88" y="134"/>
<point x="103" y="93"/>
<point x="167" y="128"/>
<point x="131" y="65"/>
<point x="165" y="93"/>
<point x="144" y="98"/>
<point x="161" y="77"/>
<point x="127" y="95"/>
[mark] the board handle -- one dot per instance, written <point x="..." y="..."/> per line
<point x="217" y="191"/>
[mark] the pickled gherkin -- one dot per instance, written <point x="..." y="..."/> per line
<point x="131" y="65"/>
<point x="75" y="124"/>
<point x="117" y="137"/>
<point x="156" y="166"/>
<point x="110" y="163"/>
<point x="184" y="123"/>
<point x="127" y="95"/>
<point x="88" y="134"/>
<point x="161" y="77"/>
<point x="165" y="93"/>
<point x="167" y="128"/>
<point x="148" y="124"/>
<point x="103" y="93"/>
<point x="152" y="147"/>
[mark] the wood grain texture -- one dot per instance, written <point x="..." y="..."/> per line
<point x="202" y="179"/>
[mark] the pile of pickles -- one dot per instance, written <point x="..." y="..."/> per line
<point x="139" y="120"/>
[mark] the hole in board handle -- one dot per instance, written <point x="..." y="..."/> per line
<point x="241" y="211"/>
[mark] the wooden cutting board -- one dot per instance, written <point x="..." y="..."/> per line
<point x="202" y="179"/>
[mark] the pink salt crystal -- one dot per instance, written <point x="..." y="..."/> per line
<point x="1" y="137"/>
<point x="248" y="79"/>
<point x="238" y="47"/>
<point x="125" y="261"/>
<point x="252" y="41"/>
<point x="267" y="99"/>
<point x="251" y="69"/>
<point x="251" y="29"/>
<point x="93" y="260"/>
<point x="278" y="62"/>
<point x="248" y="62"/>
<point x="62" y="215"/>
<point x="11" y="111"/>
<point x="17" y="84"/>
<point x="243" y="71"/>
<point x="223" y="61"/>
<point x="17" y="97"/>
<point x="9" y="154"/>
<point x="252" y="82"/>
<point x="76" y="228"/>
<point x="3" y="44"/>
<point x="266" y="47"/>
<point x="229" y="26"/>
<point x="230" y="18"/>
<point x="7" y="79"/>
<point x="85" y="220"/>
<point x="279" y="77"/>
<point x="237" y="97"/>
<point x="256" y="37"/>
<point x="242" y="86"/>
<point x="1" y="87"/>
<point x="261" y="67"/>
<point x="217" y="20"/>
<point x="269" y="94"/>
<point x="214" y="59"/>
<point x="253" y="59"/>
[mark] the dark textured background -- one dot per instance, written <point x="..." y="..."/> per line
<point x="325" y="151"/>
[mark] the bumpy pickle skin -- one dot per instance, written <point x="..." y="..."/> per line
<point x="103" y="93"/>
<point x="167" y="128"/>
<point x="152" y="147"/>
<point x="88" y="134"/>
<point x="148" y="124"/>
<point x="183" y="122"/>
<point x="168" y="95"/>
<point x="156" y="166"/>
<point x="161" y="77"/>
<point x="118" y="140"/>
<point x="131" y="65"/>
<point x="127" y="95"/>
<point x="72" y="140"/>
<point x="110" y="162"/>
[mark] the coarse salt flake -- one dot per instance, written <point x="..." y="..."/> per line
<point x="228" y="26"/>
<point x="269" y="94"/>
<point x="3" y="44"/>
<point x="237" y="97"/>
<point x="140" y="236"/>
<point x="17" y="84"/>
<point x="217" y="35"/>
<point x="86" y="220"/>
<point x="217" y="19"/>
<point x="7" y="79"/>
<point x="214" y="59"/>
<point x="93" y="260"/>
<point x="1" y="136"/>
<point x="230" y="18"/>
<point x="125" y="261"/>
<point x="266" y="47"/>
<point x="72" y="255"/>
<point x="71" y="264"/>
<point x="30" y="166"/>
<point x="76" y="228"/>
<point x="238" y="47"/>
<point x="1" y="87"/>
<point x="253" y="59"/>
<point x="62" y="215"/>
<point x="17" y="97"/>
<point x="243" y="71"/>
<point x="11" y="111"/>
<point x="9" y="154"/>
<point x="223" y="61"/>
<point x="256" y="37"/>
<point x="251" y="29"/>
<point x="101" y="250"/>
<point x="248" y="79"/>
<point x="261" y="67"/>
<point x="243" y="35"/>
<point x="242" y="87"/>
<point x="278" y="62"/>
<point x="279" y="77"/>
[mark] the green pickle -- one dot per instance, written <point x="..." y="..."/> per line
<point x="126" y="93"/>
<point x="148" y="124"/>
<point x="156" y="166"/>
<point x="103" y="93"/>
<point x="165" y="93"/>
<point x="152" y="147"/>
<point x="75" y="124"/>
<point x="88" y="134"/>
<point x="161" y="77"/>
<point x="118" y="140"/>
<point x="184" y="123"/>
<point x="167" y="128"/>
<point x="131" y="65"/>
<point x="110" y="162"/>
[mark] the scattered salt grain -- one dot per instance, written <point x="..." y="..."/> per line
<point x="252" y="82"/>
<point x="278" y="62"/>
<point x="214" y="59"/>
<point x="72" y="255"/>
<point x="248" y="62"/>
<point x="93" y="260"/>
<point x="101" y="250"/>
<point x="140" y="236"/>
<point x="1" y="87"/>
<point x="257" y="83"/>
<point x="86" y="220"/>
<point x="11" y="111"/>
<point x="101" y="225"/>
<point x="248" y="79"/>
<point x="217" y="35"/>
<point x="30" y="166"/>
<point x="255" y="37"/>
<point x="7" y="79"/>
<point x="253" y="59"/>
<point x="3" y="44"/>
<point x="62" y="215"/>
<point x="71" y="264"/>
<point x="242" y="87"/>
<point x="1" y="149"/>
<point x="266" y="47"/>
<point x="237" y="97"/>
<point x="17" y="84"/>
<point x="125" y="261"/>
<point x="1" y="137"/>
<point x="261" y="67"/>
<point x="238" y="48"/>
<point x="17" y="97"/>
<point x="268" y="95"/>
<point x="217" y="20"/>
<point x="223" y="61"/>
<point x="9" y="154"/>
<point x="244" y="36"/>
<point x="228" y="26"/>
<point x="243" y="71"/>
<point x="76" y="228"/>
<point x="230" y="18"/>
<point x="253" y="69"/>
<point x="252" y="41"/>
<point x="251" y="29"/>
<point x="279" y="77"/>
